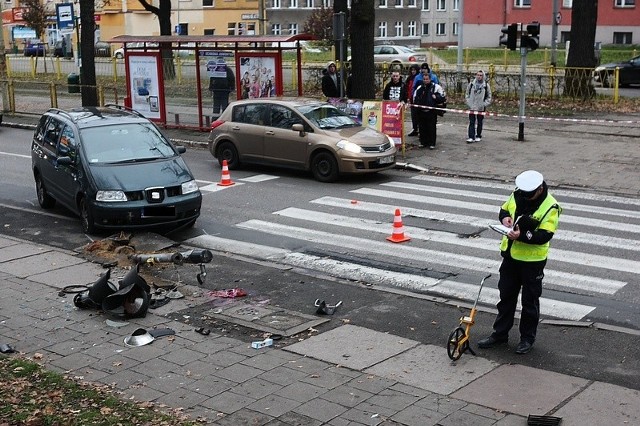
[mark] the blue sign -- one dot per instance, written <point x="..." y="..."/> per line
<point x="64" y="16"/>
<point x="23" y="32"/>
<point x="223" y="53"/>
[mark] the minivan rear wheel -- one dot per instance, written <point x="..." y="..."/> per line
<point x="324" y="167"/>
<point x="88" y="226"/>
<point x="227" y="151"/>
<point x="45" y="200"/>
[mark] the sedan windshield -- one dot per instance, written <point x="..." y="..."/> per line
<point x="125" y="143"/>
<point x="327" y="116"/>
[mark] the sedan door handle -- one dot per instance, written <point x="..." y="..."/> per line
<point x="270" y="132"/>
<point x="235" y="128"/>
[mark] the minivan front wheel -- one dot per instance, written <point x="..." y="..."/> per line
<point x="324" y="167"/>
<point x="88" y="226"/>
<point x="45" y="200"/>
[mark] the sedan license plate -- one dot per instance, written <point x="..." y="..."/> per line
<point x="387" y="160"/>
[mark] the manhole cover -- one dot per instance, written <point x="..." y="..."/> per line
<point x="265" y="318"/>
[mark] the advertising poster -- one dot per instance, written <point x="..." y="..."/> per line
<point x="351" y="107"/>
<point x="392" y="120"/>
<point x="372" y="114"/>
<point x="260" y="75"/>
<point x="144" y="85"/>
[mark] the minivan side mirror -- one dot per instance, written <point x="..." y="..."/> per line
<point x="64" y="161"/>
<point x="181" y="149"/>
<point x="298" y="128"/>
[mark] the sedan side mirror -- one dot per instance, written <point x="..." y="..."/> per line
<point x="298" y="128"/>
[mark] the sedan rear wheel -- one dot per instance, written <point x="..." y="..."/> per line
<point x="324" y="167"/>
<point x="88" y="226"/>
<point x="227" y="151"/>
<point x="44" y="199"/>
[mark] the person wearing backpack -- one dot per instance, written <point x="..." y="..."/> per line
<point x="478" y="97"/>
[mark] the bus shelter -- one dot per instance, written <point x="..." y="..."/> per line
<point x="149" y="61"/>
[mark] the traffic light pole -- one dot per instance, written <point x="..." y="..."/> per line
<point x="523" y="86"/>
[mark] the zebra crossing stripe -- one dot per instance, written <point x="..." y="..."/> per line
<point x="351" y="271"/>
<point x="566" y="218"/>
<point x="564" y="235"/>
<point x="418" y="255"/>
<point x="572" y="257"/>
<point x="609" y="211"/>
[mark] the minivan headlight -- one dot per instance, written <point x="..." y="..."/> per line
<point x="189" y="187"/>
<point x="111" y="196"/>
<point x="350" y="146"/>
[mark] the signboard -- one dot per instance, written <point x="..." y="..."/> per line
<point x="217" y="68"/>
<point x="260" y="75"/>
<point x="23" y="33"/>
<point x="146" y="97"/>
<point x="223" y="53"/>
<point x="65" y="17"/>
<point x="249" y="16"/>
<point x="383" y="116"/>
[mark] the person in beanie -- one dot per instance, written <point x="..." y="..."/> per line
<point x="478" y="97"/>
<point x="425" y="69"/>
<point x="331" y="81"/>
<point x="220" y="87"/>
<point x="428" y="95"/>
<point x="407" y="97"/>
<point x="532" y="215"/>
<point x="394" y="88"/>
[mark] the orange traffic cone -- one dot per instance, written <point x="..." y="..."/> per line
<point x="225" y="180"/>
<point x="397" y="236"/>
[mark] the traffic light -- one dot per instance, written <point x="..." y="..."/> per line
<point x="509" y="36"/>
<point x="532" y="38"/>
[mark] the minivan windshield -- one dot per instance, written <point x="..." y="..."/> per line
<point x="327" y="116"/>
<point x="122" y="143"/>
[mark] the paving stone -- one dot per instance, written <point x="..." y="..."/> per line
<point x="224" y="359"/>
<point x="328" y="378"/>
<point x="282" y="376"/>
<point x="418" y="416"/>
<point x="238" y="373"/>
<point x="212" y="385"/>
<point x="301" y="392"/>
<point x="392" y="399"/>
<point x="244" y="417"/>
<point x="125" y="379"/>
<point x="347" y="396"/>
<point x="19" y="250"/>
<point x="274" y="405"/>
<point x="483" y="411"/>
<point x="320" y="409"/>
<point x="308" y="365"/>
<point x="38" y="263"/>
<point x="182" y="398"/>
<point x="118" y="363"/>
<point x="265" y="361"/>
<point x="182" y="356"/>
<point x="143" y="353"/>
<point x="440" y="403"/>
<point x="228" y="402"/>
<point x="295" y="419"/>
<point x="462" y="417"/>
<point x="168" y="382"/>
<point x="368" y="414"/>
<point x="73" y="361"/>
<point x="69" y="347"/>
<point x="511" y="420"/>
<point x="256" y="388"/>
<point x="371" y="383"/>
<point x="142" y="393"/>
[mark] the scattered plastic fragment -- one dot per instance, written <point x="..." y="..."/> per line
<point x="262" y="344"/>
<point x="228" y="293"/>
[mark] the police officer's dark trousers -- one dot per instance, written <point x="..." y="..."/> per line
<point x="220" y="100"/>
<point x="427" y="120"/>
<point x="514" y="276"/>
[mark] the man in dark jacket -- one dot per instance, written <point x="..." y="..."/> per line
<point x="409" y="85"/>
<point x="220" y="88"/>
<point x="331" y="82"/>
<point x="428" y="95"/>
<point x="394" y="88"/>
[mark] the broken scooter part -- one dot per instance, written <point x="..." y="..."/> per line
<point x="324" y="309"/>
<point x="199" y="256"/>
<point x="175" y="258"/>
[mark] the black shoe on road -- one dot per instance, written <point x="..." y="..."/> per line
<point x="524" y="347"/>
<point x="413" y="133"/>
<point x="491" y="342"/>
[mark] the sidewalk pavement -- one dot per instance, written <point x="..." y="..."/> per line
<point x="348" y="375"/>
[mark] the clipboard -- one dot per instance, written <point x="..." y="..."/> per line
<point x="500" y="229"/>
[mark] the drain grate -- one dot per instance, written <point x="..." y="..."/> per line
<point x="543" y="420"/>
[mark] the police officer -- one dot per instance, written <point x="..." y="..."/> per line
<point x="532" y="214"/>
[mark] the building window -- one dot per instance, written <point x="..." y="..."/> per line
<point x="441" y="5"/>
<point x="454" y="28"/>
<point x="425" y="5"/>
<point x="625" y="3"/>
<point x="308" y="4"/>
<point x="231" y="28"/>
<point x="564" y="37"/>
<point x="522" y="3"/>
<point x="293" y="4"/>
<point x="327" y="4"/>
<point x="456" y="5"/>
<point x="207" y="3"/>
<point x="398" y="28"/>
<point x="411" y="29"/>
<point x="411" y="3"/>
<point x="276" y="29"/>
<point x="382" y="29"/>
<point x="382" y="3"/>
<point x="398" y="3"/>
<point x="441" y="29"/>
<point x="622" y="38"/>
<point x="276" y="4"/>
<point x="425" y="29"/>
<point x="209" y="31"/>
<point x="293" y="29"/>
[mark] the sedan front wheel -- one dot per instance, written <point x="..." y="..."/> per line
<point x="324" y="167"/>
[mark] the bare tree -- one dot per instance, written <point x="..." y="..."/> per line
<point x="362" y="27"/>
<point x="35" y="15"/>
<point x="163" y="12"/>
<point x="319" y="25"/>
<point x="581" y="59"/>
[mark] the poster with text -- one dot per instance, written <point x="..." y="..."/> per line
<point x="392" y="120"/>
<point x="260" y="75"/>
<point x="372" y="114"/>
<point x="351" y="107"/>
<point x="144" y="85"/>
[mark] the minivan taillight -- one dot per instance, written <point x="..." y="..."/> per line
<point x="216" y="124"/>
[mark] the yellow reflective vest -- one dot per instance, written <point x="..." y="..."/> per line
<point x="547" y="216"/>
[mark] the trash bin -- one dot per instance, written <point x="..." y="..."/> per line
<point x="73" y="82"/>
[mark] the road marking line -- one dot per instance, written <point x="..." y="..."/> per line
<point x="259" y="178"/>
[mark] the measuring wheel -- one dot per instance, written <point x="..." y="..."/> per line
<point x="457" y="344"/>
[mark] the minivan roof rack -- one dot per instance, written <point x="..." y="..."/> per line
<point x="61" y="112"/>
<point x="124" y="108"/>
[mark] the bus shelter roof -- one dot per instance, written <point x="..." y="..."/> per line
<point x="244" y="42"/>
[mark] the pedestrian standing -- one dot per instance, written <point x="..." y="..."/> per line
<point x="478" y="97"/>
<point x="428" y="95"/>
<point x="331" y="81"/>
<point x="425" y="69"/>
<point x="407" y="97"/>
<point x="220" y="87"/>
<point x="532" y="215"/>
<point x="393" y="89"/>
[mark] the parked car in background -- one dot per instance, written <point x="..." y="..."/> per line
<point x="34" y="49"/>
<point x="396" y="55"/>
<point x="629" y="73"/>
<point x="102" y="49"/>
<point x="114" y="168"/>
<point x="299" y="133"/>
